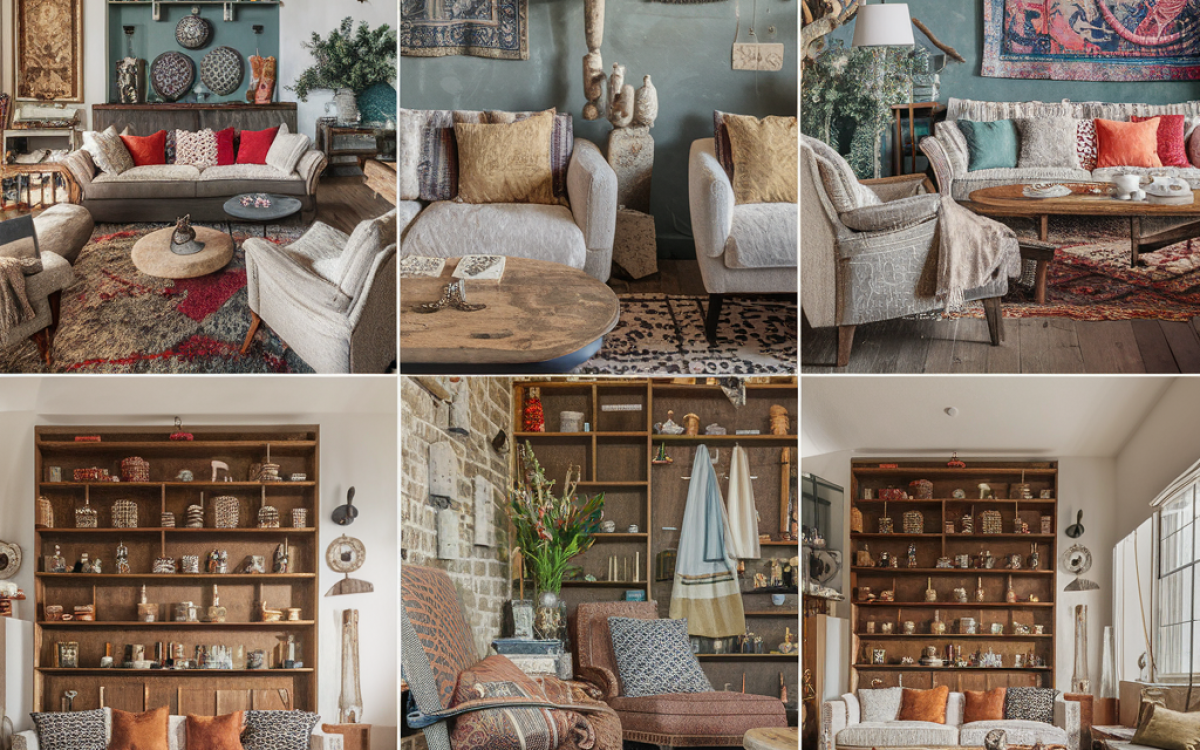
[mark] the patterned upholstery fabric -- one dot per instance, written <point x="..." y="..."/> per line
<point x="1048" y="142"/>
<point x="654" y="656"/>
<point x="286" y="150"/>
<point x="198" y="149"/>
<point x="880" y="704"/>
<point x="898" y="734"/>
<point x="278" y="730"/>
<point x="762" y="235"/>
<point x="431" y="604"/>
<point x="841" y="185"/>
<point x="514" y="230"/>
<point x="70" y="730"/>
<point x="1034" y="704"/>
<point x="245" y="172"/>
<point x="107" y="150"/>
<point x="721" y="145"/>
<point x="1017" y="731"/>
<point x="1085" y="143"/>
<point x="893" y="215"/>
<point x="562" y="138"/>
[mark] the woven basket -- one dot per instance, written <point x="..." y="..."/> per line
<point x="135" y="469"/>
<point x="990" y="522"/>
<point x="922" y="489"/>
<point x="86" y="517"/>
<point x="195" y="517"/>
<point x="164" y="565"/>
<point x="300" y="518"/>
<point x="92" y="474"/>
<point x="191" y="563"/>
<point x="168" y="519"/>
<point x="125" y="514"/>
<point x="268" y="517"/>
<point x="227" y="512"/>
<point x="45" y="513"/>
<point x="885" y="525"/>
<point x="914" y="522"/>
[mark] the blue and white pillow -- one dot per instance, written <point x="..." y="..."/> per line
<point x="71" y="730"/>
<point x="654" y="657"/>
<point x="278" y="730"/>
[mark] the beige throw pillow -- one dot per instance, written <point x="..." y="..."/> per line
<point x="286" y="150"/>
<point x="506" y="163"/>
<point x="765" y="158"/>
<point x="108" y="150"/>
<point x="1161" y="727"/>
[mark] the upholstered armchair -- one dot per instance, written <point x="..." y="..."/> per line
<point x="330" y="296"/>
<point x="717" y="718"/>
<point x="462" y="702"/>
<point x="870" y="249"/>
<point x="746" y="249"/>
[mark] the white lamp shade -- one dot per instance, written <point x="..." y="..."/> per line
<point x="883" y="26"/>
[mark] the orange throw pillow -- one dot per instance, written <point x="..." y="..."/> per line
<point x="924" y="705"/>
<point x="146" y="731"/>
<point x="215" y="732"/>
<point x="147" y="150"/>
<point x="1127" y="144"/>
<point x="984" y="706"/>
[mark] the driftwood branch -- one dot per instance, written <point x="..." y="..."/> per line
<point x="827" y="15"/>
<point x="950" y="51"/>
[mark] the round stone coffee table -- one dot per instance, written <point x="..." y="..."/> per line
<point x="152" y="254"/>
<point x="281" y="207"/>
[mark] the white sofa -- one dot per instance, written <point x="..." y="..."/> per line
<point x="177" y="736"/>
<point x="843" y="729"/>
<point x="947" y="149"/>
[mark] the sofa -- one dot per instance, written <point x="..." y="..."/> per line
<point x="579" y="235"/>
<point x="947" y="148"/>
<point x="177" y="736"/>
<point x="842" y="727"/>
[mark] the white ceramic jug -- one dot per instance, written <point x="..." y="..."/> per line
<point x="1128" y="186"/>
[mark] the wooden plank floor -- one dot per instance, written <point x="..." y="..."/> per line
<point x="1031" y="345"/>
<point x="342" y="202"/>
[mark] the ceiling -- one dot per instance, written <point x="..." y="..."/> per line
<point x="1017" y="415"/>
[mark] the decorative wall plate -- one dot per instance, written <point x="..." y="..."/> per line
<point x="222" y="70"/>
<point x="10" y="559"/>
<point x="345" y="554"/>
<point x="1077" y="559"/>
<point x="172" y="75"/>
<point x="193" y="32"/>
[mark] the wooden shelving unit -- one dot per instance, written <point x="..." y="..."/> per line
<point x="615" y="458"/>
<point x="934" y="541"/>
<point x="115" y="596"/>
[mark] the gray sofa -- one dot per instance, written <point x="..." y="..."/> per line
<point x="177" y="736"/>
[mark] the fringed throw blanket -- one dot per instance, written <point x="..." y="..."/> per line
<point x="706" y="589"/>
<point x="14" y="302"/>
<point x="743" y="518"/>
<point x="972" y="251"/>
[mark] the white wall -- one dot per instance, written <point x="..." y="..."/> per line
<point x="358" y="447"/>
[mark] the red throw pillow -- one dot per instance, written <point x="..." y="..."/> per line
<point x="255" y="145"/>
<point x="225" y="153"/>
<point x="147" y="149"/>
<point x="1127" y="144"/>
<point x="1171" y="149"/>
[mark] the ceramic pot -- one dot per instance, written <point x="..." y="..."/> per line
<point x="347" y="106"/>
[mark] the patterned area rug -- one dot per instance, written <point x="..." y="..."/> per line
<point x="116" y="319"/>
<point x="1090" y="277"/>
<point x="665" y="334"/>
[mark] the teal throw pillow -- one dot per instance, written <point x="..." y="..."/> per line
<point x="990" y="145"/>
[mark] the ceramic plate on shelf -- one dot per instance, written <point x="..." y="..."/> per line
<point x="1046" y="190"/>
<point x="193" y="32"/>
<point x="222" y="70"/>
<point x="172" y="75"/>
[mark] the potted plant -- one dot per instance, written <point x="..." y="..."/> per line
<point x="551" y="528"/>
<point x="348" y="61"/>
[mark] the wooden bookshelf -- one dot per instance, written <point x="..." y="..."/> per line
<point x="936" y="541"/>
<point x="616" y="458"/>
<point x="115" y="596"/>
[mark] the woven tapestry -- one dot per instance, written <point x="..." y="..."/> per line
<point x="1092" y="40"/>
<point x="483" y="28"/>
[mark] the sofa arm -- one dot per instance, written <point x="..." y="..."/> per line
<point x="889" y="217"/>
<point x="1067" y="718"/>
<point x="27" y="740"/>
<point x="833" y="720"/>
<point x="710" y="195"/>
<point x="82" y="168"/>
<point x="310" y="166"/>
<point x="322" y="741"/>
<point x="943" y="170"/>
<point x="603" y="679"/>
<point x="592" y="190"/>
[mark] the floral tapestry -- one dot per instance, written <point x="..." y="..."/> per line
<point x="1092" y="40"/>
<point x="49" y="50"/>
<point x="483" y="28"/>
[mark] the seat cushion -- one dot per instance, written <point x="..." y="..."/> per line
<point x="719" y="714"/>
<point x="1018" y="731"/>
<point x="63" y="229"/>
<point x="235" y="179"/>
<point x="139" y="183"/>
<point x="450" y="230"/>
<point x="983" y="178"/>
<point x="56" y="275"/>
<point x="763" y="235"/>
<point x="899" y="734"/>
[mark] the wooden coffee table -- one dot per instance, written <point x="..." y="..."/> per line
<point x="1009" y="200"/>
<point x="540" y="317"/>
<point x="774" y="738"/>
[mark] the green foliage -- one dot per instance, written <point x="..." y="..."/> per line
<point x="348" y="59"/>
<point x="857" y="87"/>
<point x="551" y="529"/>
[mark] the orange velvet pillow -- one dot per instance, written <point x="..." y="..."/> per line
<point x="146" y="731"/>
<point x="215" y="732"/>
<point x="984" y="706"/>
<point x="147" y="150"/>
<point x="924" y="705"/>
<point x="1127" y="144"/>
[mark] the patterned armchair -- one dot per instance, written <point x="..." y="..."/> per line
<point x="869" y="249"/>
<point x="464" y="703"/>
<point x="673" y="720"/>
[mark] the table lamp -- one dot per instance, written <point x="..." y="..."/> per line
<point x="883" y="25"/>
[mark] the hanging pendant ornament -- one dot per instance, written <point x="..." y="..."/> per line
<point x="534" y="418"/>
<point x="346" y="555"/>
<point x="954" y="462"/>
<point x="179" y="434"/>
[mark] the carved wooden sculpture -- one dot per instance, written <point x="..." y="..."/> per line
<point x="350" y="703"/>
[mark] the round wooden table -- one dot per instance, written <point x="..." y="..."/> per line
<point x="774" y="738"/>
<point x="152" y="254"/>
<point x="540" y="317"/>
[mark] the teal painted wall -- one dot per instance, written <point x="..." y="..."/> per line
<point x="686" y="49"/>
<point x="152" y="38"/>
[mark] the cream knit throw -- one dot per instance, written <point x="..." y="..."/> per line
<point x="972" y="251"/>
<point x="14" y="302"/>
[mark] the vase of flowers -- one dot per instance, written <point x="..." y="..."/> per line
<point x="551" y="529"/>
<point x="347" y="62"/>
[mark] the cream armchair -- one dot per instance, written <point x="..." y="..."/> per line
<point x="746" y="249"/>
<point x="60" y="243"/>
<point x="330" y="296"/>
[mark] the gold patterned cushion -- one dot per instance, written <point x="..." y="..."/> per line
<point x="1159" y="726"/>
<point x="507" y="163"/>
<point x="107" y="150"/>
<point x="765" y="154"/>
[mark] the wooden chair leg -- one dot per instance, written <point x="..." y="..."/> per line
<point x="713" y="319"/>
<point x="254" y="322"/>
<point x="42" y="339"/>
<point x="995" y="319"/>
<point x="845" y="343"/>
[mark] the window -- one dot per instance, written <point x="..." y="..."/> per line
<point x="1177" y="594"/>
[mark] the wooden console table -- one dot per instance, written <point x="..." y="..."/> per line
<point x="380" y="176"/>
<point x="328" y="133"/>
